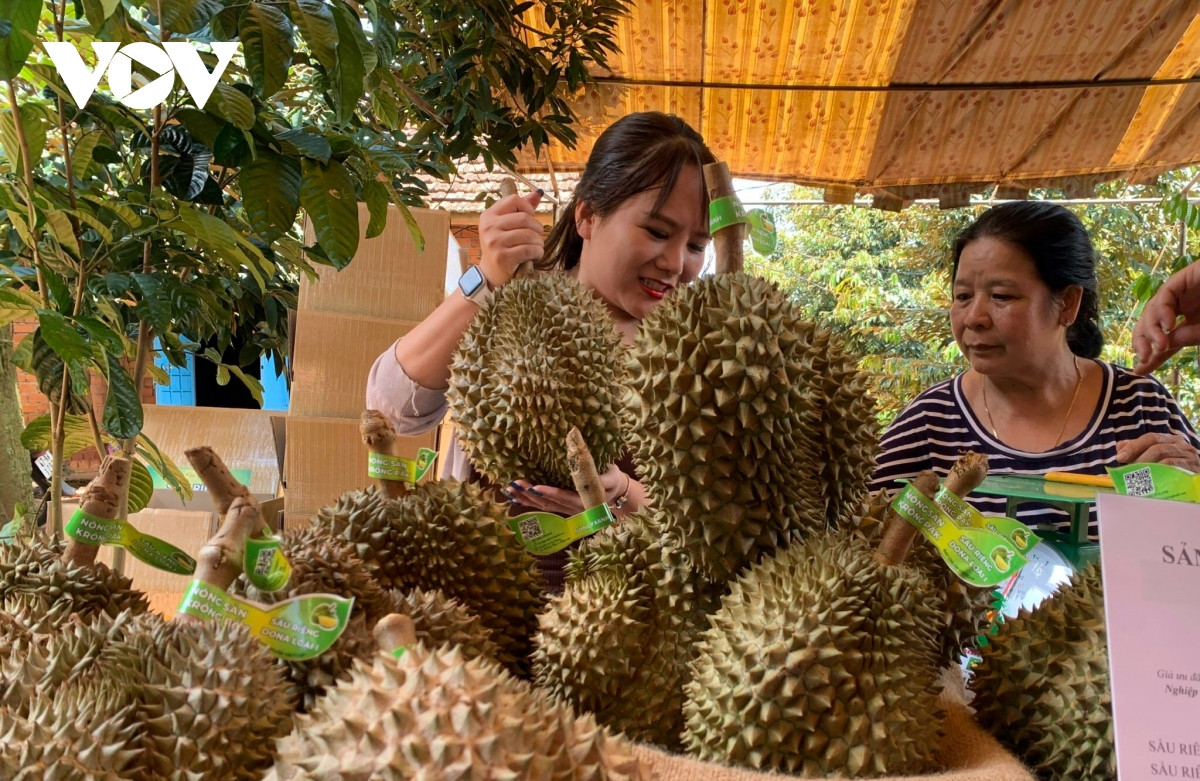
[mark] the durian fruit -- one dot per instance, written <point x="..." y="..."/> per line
<point x="324" y="564"/>
<point x="440" y="620"/>
<point x="540" y="357"/>
<point x="1042" y="687"/>
<point x="821" y="660"/>
<point x="625" y="623"/>
<point x="453" y="537"/>
<point x="435" y="714"/>
<point x="736" y="424"/>
<point x="35" y="575"/>
<point x="964" y="607"/>
<point x="364" y="518"/>
<point x="215" y="699"/>
<point x="60" y="741"/>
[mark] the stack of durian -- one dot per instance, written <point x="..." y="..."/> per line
<point x="766" y="613"/>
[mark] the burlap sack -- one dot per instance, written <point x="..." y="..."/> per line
<point x="968" y="754"/>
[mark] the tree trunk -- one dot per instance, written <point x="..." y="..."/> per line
<point x="15" y="477"/>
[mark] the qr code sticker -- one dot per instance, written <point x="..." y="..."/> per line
<point x="1139" y="483"/>
<point x="262" y="566"/>
<point x="530" y="529"/>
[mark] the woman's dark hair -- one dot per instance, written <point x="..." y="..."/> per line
<point x="634" y="154"/>
<point x="1061" y="251"/>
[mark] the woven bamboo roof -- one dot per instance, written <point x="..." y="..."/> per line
<point x="914" y="98"/>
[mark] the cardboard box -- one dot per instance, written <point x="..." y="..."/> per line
<point x="243" y="438"/>
<point x="333" y="355"/>
<point x="325" y="458"/>
<point x="187" y="530"/>
<point x="388" y="277"/>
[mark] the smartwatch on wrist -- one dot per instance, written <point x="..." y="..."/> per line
<point x="474" y="286"/>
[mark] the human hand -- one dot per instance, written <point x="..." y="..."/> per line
<point x="1157" y="337"/>
<point x="1173" y="449"/>
<point x="509" y="235"/>
<point x="547" y="498"/>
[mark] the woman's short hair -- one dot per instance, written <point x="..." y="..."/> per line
<point x="1061" y="251"/>
<point x="634" y="154"/>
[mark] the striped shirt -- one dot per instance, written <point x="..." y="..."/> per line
<point x="939" y="425"/>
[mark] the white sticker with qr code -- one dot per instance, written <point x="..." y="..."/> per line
<point x="530" y="529"/>
<point x="1139" y="482"/>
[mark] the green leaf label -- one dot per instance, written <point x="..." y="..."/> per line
<point x="727" y="211"/>
<point x="543" y="533"/>
<point x="1156" y="481"/>
<point x="264" y="563"/>
<point x="160" y="554"/>
<point x="296" y="629"/>
<point x="762" y="231"/>
<point x="723" y="212"/>
<point x="384" y="467"/>
<point x="977" y="556"/>
<point x="967" y="517"/>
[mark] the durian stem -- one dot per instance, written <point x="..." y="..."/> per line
<point x="379" y="437"/>
<point x="967" y="473"/>
<point x="395" y="631"/>
<point x="223" y="487"/>
<point x="105" y="497"/>
<point x="583" y="470"/>
<point x="507" y="187"/>
<point x="727" y="242"/>
<point x="899" y="534"/>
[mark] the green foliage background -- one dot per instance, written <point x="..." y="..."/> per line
<point x="881" y="280"/>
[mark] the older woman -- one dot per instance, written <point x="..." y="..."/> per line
<point x="1035" y="399"/>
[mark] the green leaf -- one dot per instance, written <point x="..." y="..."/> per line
<point x="165" y="467"/>
<point x="271" y="194"/>
<point x="208" y="229"/>
<point x="141" y="486"/>
<point x="77" y="429"/>
<point x="203" y="126"/>
<point x="89" y="219"/>
<point x="377" y="198"/>
<point x="109" y="339"/>
<point x="350" y="72"/>
<point x="62" y="338"/>
<point x="158" y="374"/>
<point x="16" y="305"/>
<point x="22" y="356"/>
<point x="81" y="158"/>
<point x="185" y="16"/>
<point x="18" y="31"/>
<point x="327" y="194"/>
<point x="300" y="142"/>
<point x="60" y="228"/>
<point x="33" y="120"/>
<point x="122" y="212"/>
<point x="267" y="44"/>
<point x="315" y="20"/>
<point x="232" y="105"/>
<point x="122" y="406"/>
<point x="155" y="307"/>
<point x="252" y="383"/>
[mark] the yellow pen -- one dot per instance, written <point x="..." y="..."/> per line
<point x="1100" y="481"/>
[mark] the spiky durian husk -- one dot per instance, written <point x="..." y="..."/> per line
<point x="850" y="430"/>
<point x="67" y="741"/>
<point x="625" y="623"/>
<point x="36" y="574"/>
<point x="729" y="417"/>
<point x="453" y="537"/>
<point x="819" y="661"/>
<point x="1043" y="685"/>
<point x="440" y="620"/>
<point x="434" y="714"/>
<point x="214" y="700"/>
<point x="364" y="518"/>
<point x="964" y="607"/>
<point x="540" y="357"/>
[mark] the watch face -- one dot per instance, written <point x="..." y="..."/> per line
<point x="471" y="280"/>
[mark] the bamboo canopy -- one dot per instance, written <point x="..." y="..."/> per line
<point x="912" y="99"/>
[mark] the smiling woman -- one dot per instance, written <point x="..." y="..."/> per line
<point x="1035" y="399"/>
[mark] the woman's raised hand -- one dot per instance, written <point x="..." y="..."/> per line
<point x="562" y="501"/>
<point x="509" y="235"/>
<point x="1173" y="449"/>
<point x="1157" y="336"/>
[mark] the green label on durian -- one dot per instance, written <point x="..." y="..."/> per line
<point x="727" y="211"/>
<point x="381" y="466"/>
<point x="1156" y="481"/>
<point x="399" y="652"/>
<point x="967" y="517"/>
<point x="264" y="563"/>
<point x="295" y="629"/>
<point x="977" y="556"/>
<point x="543" y="533"/>
<point x="160" y="554"/>
<point x="14" y="531"/>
